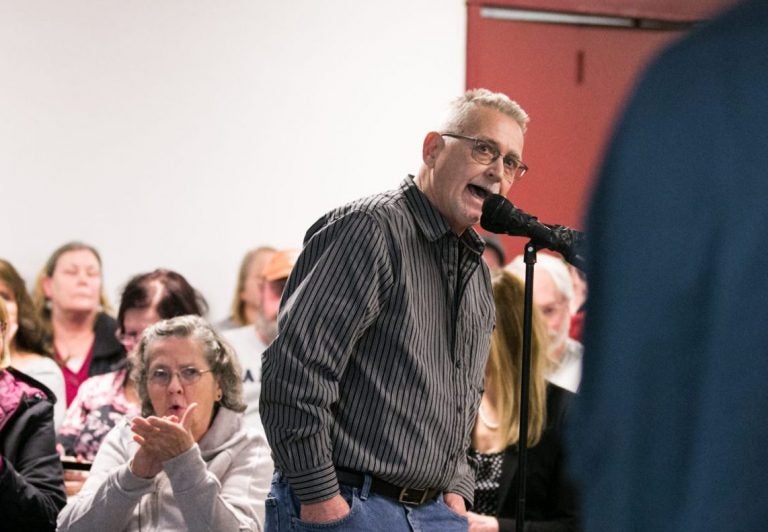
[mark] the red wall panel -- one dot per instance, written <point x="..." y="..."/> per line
<point x="572" y="80"/>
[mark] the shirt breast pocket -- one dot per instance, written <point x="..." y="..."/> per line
<point x="478" y="331"/>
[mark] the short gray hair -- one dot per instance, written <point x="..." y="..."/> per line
<point x="219" y="355"/>
<point x="554" y="266"/>
<point x="460" y="109"/>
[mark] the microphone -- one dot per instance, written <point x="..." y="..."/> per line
<point x="501" y="216"/>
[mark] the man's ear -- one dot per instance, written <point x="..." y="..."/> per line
<point x="433" y="145"/>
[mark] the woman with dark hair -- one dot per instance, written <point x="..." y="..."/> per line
<point x="188" y="462"/>
<point x="26" y="339"/>
<point x="31" y="491"/>
<point x="550" y="495"/>
<point x="72" y="306"/>
<point x="105" y="399"/>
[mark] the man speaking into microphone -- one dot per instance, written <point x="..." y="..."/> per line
<point x="371" y="388"/>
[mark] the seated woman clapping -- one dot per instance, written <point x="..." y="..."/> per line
<point x="189" y="463"/>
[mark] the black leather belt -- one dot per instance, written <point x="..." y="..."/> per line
<point x="409" y="496"/>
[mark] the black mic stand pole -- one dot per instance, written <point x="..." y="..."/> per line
<point x="529" y="258"/>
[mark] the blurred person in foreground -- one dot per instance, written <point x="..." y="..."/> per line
<point x="670" y="431"/>
<point x="246" y="302"/>
<point x="188" y="462"/>
<point x="103" y="400"/>
<point x="370" y="390"/>
<point x="70" y="300"/>
<point x="26" y="339"/>
<point x="31" y="486"/>
<point x="550" y="495"/>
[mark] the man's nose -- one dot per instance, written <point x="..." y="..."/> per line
<point x="496" y="169"/>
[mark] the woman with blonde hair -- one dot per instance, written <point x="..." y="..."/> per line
<point x="550" y="495"/>
<point x="70" y="300"/>
<point x="31" y="485"/>
<point x="246" y="302"/>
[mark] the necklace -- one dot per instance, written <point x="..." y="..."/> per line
<point x="487" y="422"/>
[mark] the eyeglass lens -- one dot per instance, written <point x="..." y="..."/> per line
<point x="188" y="375"/>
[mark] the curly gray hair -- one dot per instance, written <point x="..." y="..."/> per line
<point x="218" y="353"/>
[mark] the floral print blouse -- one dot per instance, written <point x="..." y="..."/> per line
<point x="100" y="403"/>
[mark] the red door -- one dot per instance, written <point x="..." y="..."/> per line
<point x="572" y="80"/>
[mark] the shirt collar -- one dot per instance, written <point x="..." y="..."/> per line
<point x="431" y="222"/>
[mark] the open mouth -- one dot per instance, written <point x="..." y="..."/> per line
<point x="176" y="410"/>
<point x="478" y="192"/>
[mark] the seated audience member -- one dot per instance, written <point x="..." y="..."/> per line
<point x="31" y="487"/>
<point x="250" y="341"/>
<point x="552" y="295"/>
<point x="102" y="401"/>
<point x="188" y="463"/>
<point x="246" y="303"/>
<point x="494" y="254"/>
<point x="578" y="303"/>
<point x="71" y="303"/>
<point x="550" y="495"/>
<point x="26" y="339"/>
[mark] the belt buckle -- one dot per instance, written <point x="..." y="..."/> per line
<point x="413" y="496"/>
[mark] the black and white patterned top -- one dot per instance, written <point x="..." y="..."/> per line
<point x="487" y="481"/>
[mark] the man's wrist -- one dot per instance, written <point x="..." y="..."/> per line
<point x="314" y="486"/>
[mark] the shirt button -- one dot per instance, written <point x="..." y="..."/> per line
<point x="458" y="364"/>
<point x="450" y="273"/>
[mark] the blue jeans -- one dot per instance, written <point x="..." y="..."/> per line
<point x="368" y="511"/>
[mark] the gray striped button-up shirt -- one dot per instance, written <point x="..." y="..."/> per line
<point x="384" y="328"/>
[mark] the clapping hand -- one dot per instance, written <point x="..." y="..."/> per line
<point x="160" y="439"/>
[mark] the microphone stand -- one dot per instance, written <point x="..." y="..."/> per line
<point x="529" y="258"/>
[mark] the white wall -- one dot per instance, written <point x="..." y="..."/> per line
<point x="181" y="133"/>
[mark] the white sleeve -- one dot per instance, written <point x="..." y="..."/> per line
<point x="49" y="373"/>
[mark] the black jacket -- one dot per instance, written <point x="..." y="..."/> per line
<point x="108" y="353"/>
<point x="31" y="483"/>
<point x="551" y="502"/>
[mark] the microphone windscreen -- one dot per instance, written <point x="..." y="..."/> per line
<point x="501" y="216"/>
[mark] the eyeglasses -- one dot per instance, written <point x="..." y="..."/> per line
<point x="187" y="376"/>
<point x="486" y="153"/>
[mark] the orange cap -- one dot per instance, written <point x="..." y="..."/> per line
<point x="280" y="265"/>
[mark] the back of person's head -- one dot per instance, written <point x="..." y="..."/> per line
<point x="39" y="298"/>
<point x="5" y="354"/>
<point x="460" y="111"/>
<point x="252" y="265"/>
<point x="29" y="336"/>
<point x="493" y="247"/>
<point x="554" y="266"/>
<point x="505" y="359"/>
<point x="165" y="291"/>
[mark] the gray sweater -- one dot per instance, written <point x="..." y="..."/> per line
<point x="218" y="484"/>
